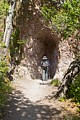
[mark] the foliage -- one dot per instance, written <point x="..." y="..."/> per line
<point x="4" y="82"/>
<point x="16" y="42"/>
<point x="13" y="45"/>
<point x="72" y="117"/>
<point x="64" y="20"/>
<point x="1" y="35"/>
<point x="3" y="12"/>
<point x="3" y="67"/>
<point x="3" y="8"/>
<point x="62" y="99"/>
<point x="78" y="109"/>
<point x="2" y="44"/>
<point x="74" y="90"/>
<point x="55" y="82"/>
<point x="16" y="46"/>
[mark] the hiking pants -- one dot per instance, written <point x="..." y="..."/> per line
<point x="45" y="73"/>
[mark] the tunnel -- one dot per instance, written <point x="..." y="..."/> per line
<point x="43" y="43"/>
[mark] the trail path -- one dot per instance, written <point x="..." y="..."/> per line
<point x="30" y="101"/>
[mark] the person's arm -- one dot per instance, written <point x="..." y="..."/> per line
<point x="48" y="63"/>
<point x="41" y="63"/>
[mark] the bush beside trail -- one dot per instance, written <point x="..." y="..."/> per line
<point x="4" y="81"/>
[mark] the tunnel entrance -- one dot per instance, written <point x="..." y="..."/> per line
<point x="51" y="51"/>
<point x="43" y="44"/>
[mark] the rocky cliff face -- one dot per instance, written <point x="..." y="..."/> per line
<point x="40" y="40"/>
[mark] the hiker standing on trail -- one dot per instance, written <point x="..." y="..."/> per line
<point x="45" y="68"/>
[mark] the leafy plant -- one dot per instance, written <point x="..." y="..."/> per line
<point x="78" y="109"/>
<point x="64" y="20"/>
<point x="3" y="67"/>
<point x="4" y="81"/>
<point x="55" y="82"/>
<point x="72" y="117"/>
<point x="62" y="99"/>
<point x="74" y="90"/>
<point x="4" y="85"/>
<point x="3" y="8"/>
<point x="16" y="46"/>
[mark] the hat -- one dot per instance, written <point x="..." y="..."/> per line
<point x="44" y="58"/>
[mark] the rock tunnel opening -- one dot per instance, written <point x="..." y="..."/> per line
<point x="42" y="45"/>
<point x="51" y="51"/>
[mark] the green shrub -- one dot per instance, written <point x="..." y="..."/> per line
<point x="3" y="8"/>
<point x="72" y="117"/>
<point x="74" y="90"/>
<point x="4" y="84"/>
<point x="4" y="81"/>
<point x="55" y="82"/>
<point x="62" y="99"/>
<point x="65" y="19"/>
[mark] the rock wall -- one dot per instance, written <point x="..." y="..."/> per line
<point x="66" y="57"/>
<point x="41" y="40"/>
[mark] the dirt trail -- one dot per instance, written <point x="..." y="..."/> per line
<point x="34" y="90"/>
<point x="30" y="101"/>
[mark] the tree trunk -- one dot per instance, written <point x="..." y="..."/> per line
<point x="7" y="33"/>
<point x="8" y="28"/>
<point x="69" y="76"/>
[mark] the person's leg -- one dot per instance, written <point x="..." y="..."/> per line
<point x="48" y="72"/>
<point x="43" y="74"/>
<point x="47" y="75"/>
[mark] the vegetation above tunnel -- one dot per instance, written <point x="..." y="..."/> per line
<point x="63" y="18"/>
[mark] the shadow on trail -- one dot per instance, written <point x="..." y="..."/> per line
<point x="21" y="108"/>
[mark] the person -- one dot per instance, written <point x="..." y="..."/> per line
<point x="45" y="68"/>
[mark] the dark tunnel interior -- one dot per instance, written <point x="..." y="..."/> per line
<point x="44" y="42"/>
<point x="43" y="46"/>
<point x="51" y="51"/>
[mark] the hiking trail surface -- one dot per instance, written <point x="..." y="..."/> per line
<point x="30" y="100"/>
